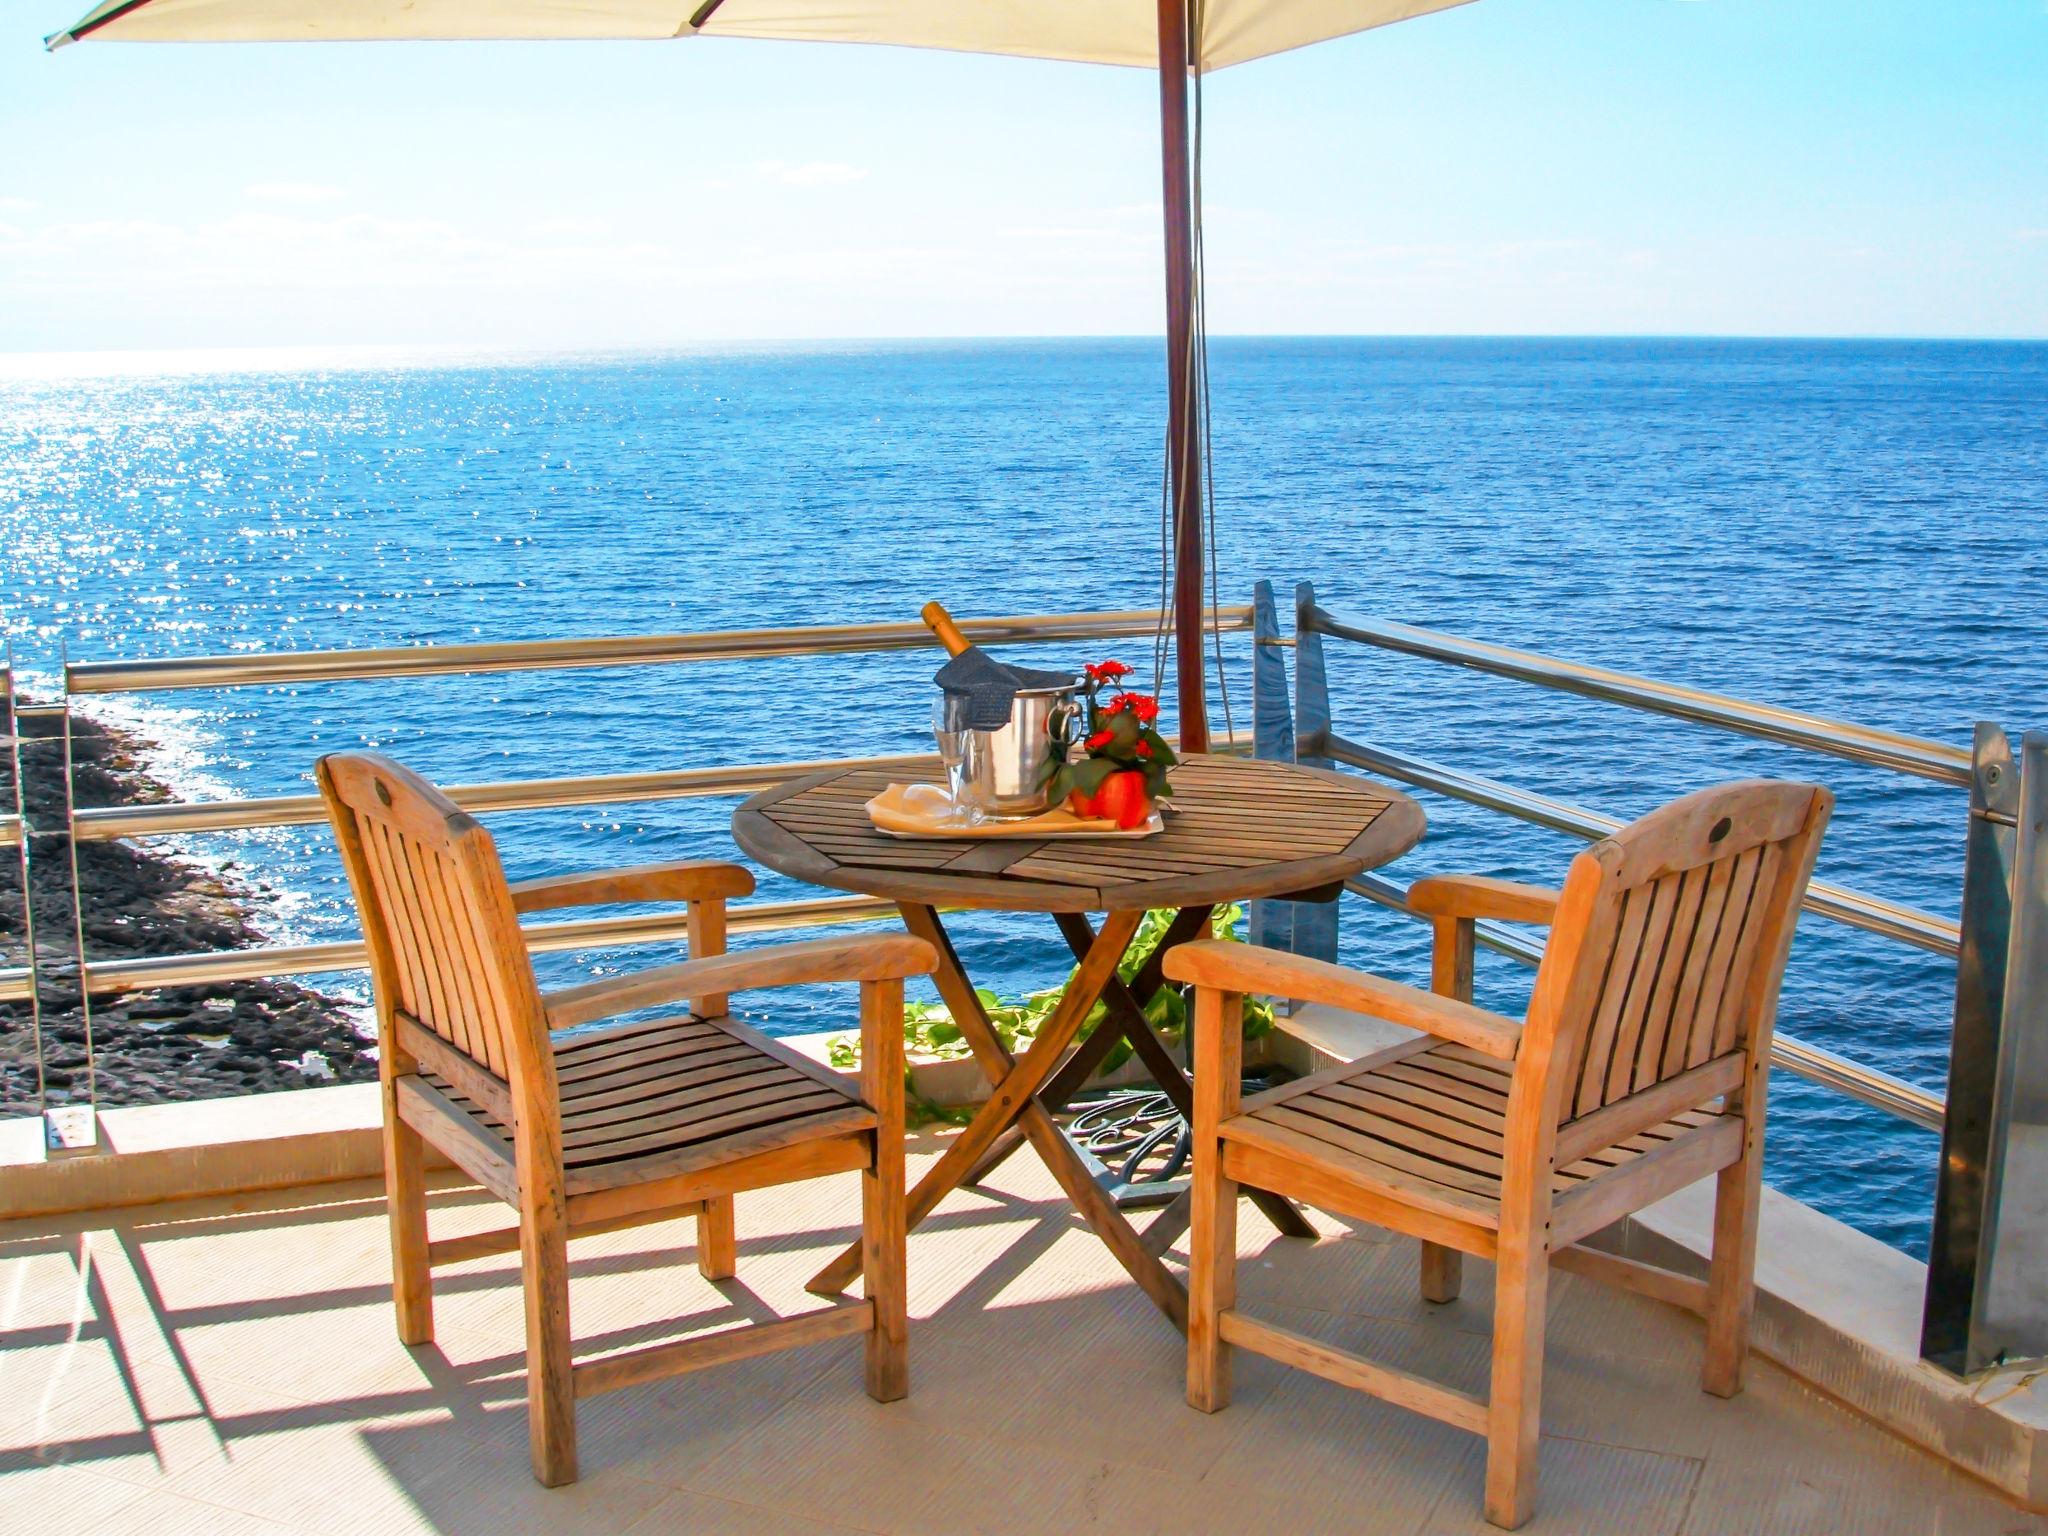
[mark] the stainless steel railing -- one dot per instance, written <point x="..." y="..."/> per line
<point x="1900" y="753"/>
<point x="607" y="651"/>
<point x="18" y="983"/>
<point x="1311" y="735"/>
<point x="104" y="977"/>
<point x="1814" y="733"/>
<point x="1856" y="909"/>
<point x="509" y="795"/>
<point x="148" y="972"/>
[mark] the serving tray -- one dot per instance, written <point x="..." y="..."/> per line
<point x="921" y="811"/>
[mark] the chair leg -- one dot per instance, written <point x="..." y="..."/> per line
<point x="1731" y="1276"/>
<point x="405" y="1194"/>
<point x="550" y="1382"/>
<point x="883" y="1265"/>
<point x="1443" y="1272"/>
<point x="1212" y="1278"/>
<point x="1514" y="1400"/>
<point x="717" y="1247"/>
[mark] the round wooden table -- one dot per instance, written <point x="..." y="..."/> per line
<point x="1238" y="830"/>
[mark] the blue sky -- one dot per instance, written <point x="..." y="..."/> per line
<point x="1751" y="167"/>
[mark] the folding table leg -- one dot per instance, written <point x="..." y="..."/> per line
<point x="1014" y="1088"/>
<point x="1034" y="1124"/>
<point x="1088" y="1057"/>
<point x="1127" y="1009"/>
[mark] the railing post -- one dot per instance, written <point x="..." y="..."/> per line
<point x="1315" y="923"/>
<point x="73" y="1129"/>
<point x="24" y="873"/>
<point x="1986" y="1304"/>
<point x="1271" y="922"/>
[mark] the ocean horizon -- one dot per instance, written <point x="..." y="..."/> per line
<point x="1851" y="527"/>
<point x="286" y="357"/>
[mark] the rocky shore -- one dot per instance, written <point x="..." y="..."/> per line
<point x="150" y="1047"/>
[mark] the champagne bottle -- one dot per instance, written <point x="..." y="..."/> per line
<point x="941" y="624"/>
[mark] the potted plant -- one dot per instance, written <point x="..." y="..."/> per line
<point x="1119" y="772"/>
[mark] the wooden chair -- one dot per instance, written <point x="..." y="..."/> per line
<point x="601" y="1129"/>
<point x="1641" y="1068"/>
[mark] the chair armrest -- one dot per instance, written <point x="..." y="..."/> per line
<point x="1250" y="968"/>
<point x="679" y="880"/>
<point x="1482" y="896"/>
<point x="883" y="958"/>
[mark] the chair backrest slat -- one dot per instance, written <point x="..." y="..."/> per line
<point x="1685" y="1045"/>
<point x="1766" y="894"/>
<point x="436" y="908"/>
<point x="1688" y="915"/>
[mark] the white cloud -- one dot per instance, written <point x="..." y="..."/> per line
<point x="16" y="204"/>
<point x="302" y="192"/>
<point x="811" y="173"/>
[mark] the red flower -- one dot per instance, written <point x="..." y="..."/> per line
<point x="1107" y="671"/>
<point x="1144" y="749"/>
<point x="1143" y="705"/>
<point x="1099" y="740"/>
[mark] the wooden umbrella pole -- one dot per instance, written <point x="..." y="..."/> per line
<point x="1183" y="426"/>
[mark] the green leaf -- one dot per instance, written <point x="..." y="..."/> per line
<point x="1167" y="1012"/>
<point x="1087" y="776"/>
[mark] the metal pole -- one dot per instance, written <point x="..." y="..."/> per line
<point x="28" y="890"/>
<point x="1315" y="923"/>
<point x="1183" y="424"/>
<point x="1272" y="922"/>
<point x="1985" y="1301"/>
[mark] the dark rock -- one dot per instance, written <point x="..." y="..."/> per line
<point x="147" y="1048"/>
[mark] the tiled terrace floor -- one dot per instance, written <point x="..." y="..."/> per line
<point x="231" y="1367"/>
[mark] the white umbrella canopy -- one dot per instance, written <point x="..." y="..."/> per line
<point x="1085" y="31"/>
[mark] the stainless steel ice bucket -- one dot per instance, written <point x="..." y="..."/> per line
<point x="1005" y="770"/>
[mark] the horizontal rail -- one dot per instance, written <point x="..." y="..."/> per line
<point x="106" y="824"/>
<point x="17" y="985"/>
<point x="10" y="831"/>
<point x="1815" y="733"/>
<point x="1857" y="909"/>
<point x="1878" y="1089"/>
<point x="1498" y="937"/>
<point x="91" y="677"/>
<point x="510" y="795"/>
<point x="148" y="972"/>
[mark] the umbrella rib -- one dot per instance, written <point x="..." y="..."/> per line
<point x="697" y="18"/>
<point x="86" y="29"/>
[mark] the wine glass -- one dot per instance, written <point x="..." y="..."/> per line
<point x="950" y="732"/>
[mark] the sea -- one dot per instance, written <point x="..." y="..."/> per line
<point x="1858" y="529"/>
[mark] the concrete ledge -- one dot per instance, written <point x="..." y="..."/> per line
<point x="206" y="1147"/>
<point x="1841" y="1310"/>
<point x="1314" y="1037"/>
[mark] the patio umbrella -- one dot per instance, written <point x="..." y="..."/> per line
<point x="1177" y="37"/>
